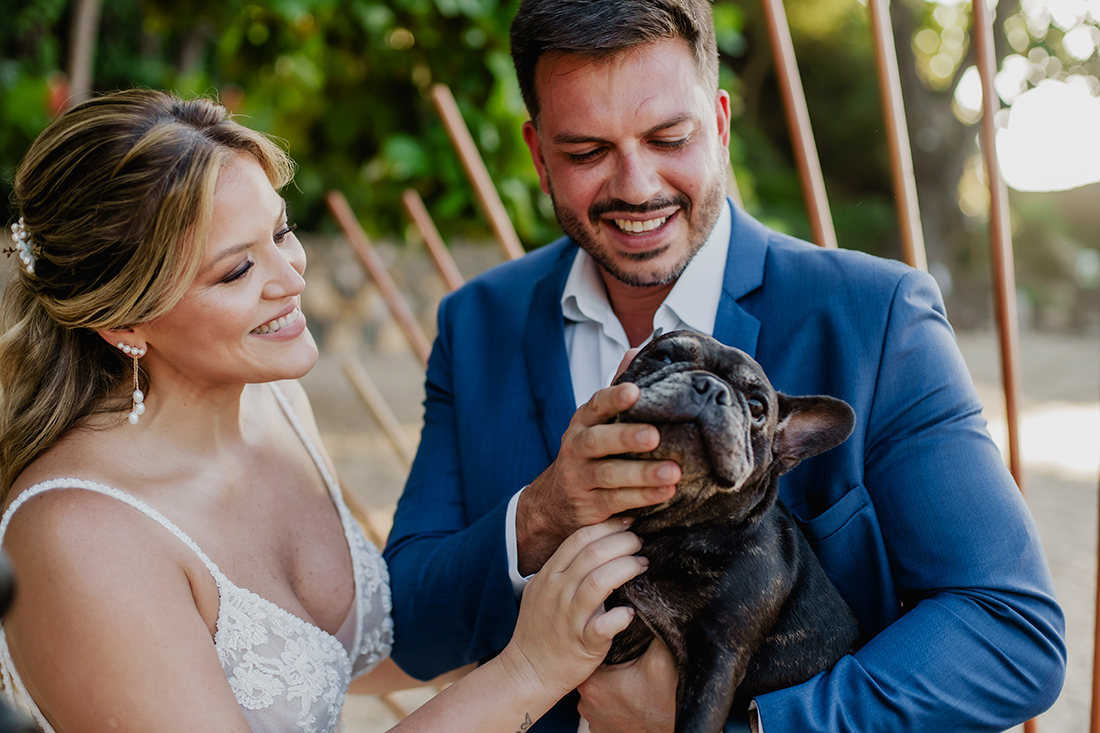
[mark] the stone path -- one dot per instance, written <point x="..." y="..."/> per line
<point x="1060" y="441"/>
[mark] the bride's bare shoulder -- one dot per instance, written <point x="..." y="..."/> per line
<point x="73" y="541"/>
<point x="95" y="451"/>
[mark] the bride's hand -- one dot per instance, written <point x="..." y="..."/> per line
<point x="563" y="631"/>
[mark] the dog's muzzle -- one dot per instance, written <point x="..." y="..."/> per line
<point x="705" y="425"/>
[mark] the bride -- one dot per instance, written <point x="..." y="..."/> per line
<point x="184" y="558"/>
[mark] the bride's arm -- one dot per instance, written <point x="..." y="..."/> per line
<point x="561" y="636"/>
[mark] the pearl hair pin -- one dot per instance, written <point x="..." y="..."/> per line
<point x="138" y="407"/>
<point x="24" y="246"/>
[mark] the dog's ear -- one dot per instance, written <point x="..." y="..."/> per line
<point x="808" y="426"/>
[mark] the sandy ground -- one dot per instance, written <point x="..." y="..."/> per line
<point x="1060" y="447"/>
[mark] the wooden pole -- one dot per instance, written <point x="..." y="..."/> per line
<point x="82" y="37"/>
<point x="897" y="137"/>
<point x="1000" y="236"/>
<point x="374" y="401"/>
<point x="448" y="270"/>
<point x="377" y="270"/>
<point x="1094" y="712"/>
<point x="364" y="386"/>
<point x="475" y="169"/>
<point x="798" y="121"/>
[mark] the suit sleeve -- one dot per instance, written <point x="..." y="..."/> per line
<point x="447" y="609"/>
<point x="978" y="644"/>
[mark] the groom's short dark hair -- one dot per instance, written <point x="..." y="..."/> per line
<point x="600" y="29"/>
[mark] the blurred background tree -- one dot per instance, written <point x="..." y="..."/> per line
<point x="346" y="83"/>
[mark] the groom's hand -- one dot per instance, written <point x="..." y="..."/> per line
<point x="635" y="697"/>
<point x="586" y="484"/>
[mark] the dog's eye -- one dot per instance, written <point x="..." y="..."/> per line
<point x="661" y="357"/>
<point x="756" y="409"/>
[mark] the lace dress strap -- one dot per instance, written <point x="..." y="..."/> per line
<point x="141" y="506"/>
<point x="14" y="689"/>
<point x="291" y="416"/>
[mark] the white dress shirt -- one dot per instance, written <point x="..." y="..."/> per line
<point x="594" y="338"/>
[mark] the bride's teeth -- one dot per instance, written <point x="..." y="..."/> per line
<point x="275" y="325"/>
<point x="628" y="225"/>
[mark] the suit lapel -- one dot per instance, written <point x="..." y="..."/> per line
<point x="544" y="350"/>
<point x="745" y="260"/>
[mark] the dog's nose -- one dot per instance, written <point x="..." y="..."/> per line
<point x="711" y="389"/>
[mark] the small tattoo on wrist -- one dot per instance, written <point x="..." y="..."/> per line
<point x="527" y="723"/>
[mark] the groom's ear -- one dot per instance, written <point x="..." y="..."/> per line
<point x="534" y="144"/>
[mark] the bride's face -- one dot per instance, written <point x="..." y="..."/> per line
<point x="239" y="322"/>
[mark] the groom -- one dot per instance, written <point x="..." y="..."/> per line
<point x="914" y="518"/>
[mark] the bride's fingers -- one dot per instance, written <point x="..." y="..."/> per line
<point x="599" y="632"/>
<point x="579" y="542"/>
<point x="570" y="590"/>
<point x="600" y="581"/>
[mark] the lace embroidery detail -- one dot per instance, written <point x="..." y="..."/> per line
<point x="239" y="627"/>
<point x="270" y="654"/>
<point x="286" y="673"/>
<point x="308" y="668"/>
<point x="254" y="688"/>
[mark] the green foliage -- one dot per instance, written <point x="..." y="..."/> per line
<point x="28" y="55"/>
<point x="347" y="84"/>
<point x="836" y="64"/>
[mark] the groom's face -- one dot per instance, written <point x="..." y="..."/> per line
<point x="633" y="151"/>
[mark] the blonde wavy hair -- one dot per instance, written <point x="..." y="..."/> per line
<point x="117" y="195"/>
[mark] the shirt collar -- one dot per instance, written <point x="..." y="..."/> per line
<point x="693" y="299"/>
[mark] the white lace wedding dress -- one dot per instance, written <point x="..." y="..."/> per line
<point x="287" y="674"/>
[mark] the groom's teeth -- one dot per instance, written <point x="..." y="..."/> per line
<point x="275" y="325"/>
<point x="628" y="225"/>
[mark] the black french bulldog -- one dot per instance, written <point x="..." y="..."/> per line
<point x="733" y="588"/>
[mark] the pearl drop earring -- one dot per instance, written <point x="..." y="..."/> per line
<point x="138" y="407"/>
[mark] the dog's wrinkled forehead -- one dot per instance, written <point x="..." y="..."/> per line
<point x="688" y="350"/>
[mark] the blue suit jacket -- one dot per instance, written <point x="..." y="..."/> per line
<point x="914" y="518"/>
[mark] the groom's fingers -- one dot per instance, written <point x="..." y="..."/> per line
<point x="607" y="403"/>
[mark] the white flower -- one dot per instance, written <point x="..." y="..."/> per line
<point x="303" y="659"/>
<point x="238" y="628"/>
<point x="254" y="688"/>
